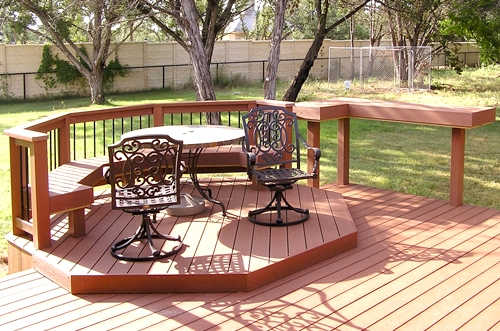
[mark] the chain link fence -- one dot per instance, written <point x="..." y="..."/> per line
<point x="368" y="68"/>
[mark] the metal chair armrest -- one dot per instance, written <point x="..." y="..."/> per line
<point x="315" y="150"/>
<point x="251" y="159"/>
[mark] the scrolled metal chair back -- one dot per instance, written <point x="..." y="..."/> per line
<point x="271" y="133"/>
<point x="145" y="172"/>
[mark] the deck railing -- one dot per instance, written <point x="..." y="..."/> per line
<point x="41" y="146"/>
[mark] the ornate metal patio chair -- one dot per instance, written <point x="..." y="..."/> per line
<point x="272" y="147"/>
<point x="144" y="175"/>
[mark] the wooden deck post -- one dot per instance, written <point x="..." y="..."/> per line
<point x="343" y="143"/>
<point x="158" y="117"/>
<point x="64" y="133"/>
<point x="15" y="185"/>
<point x="40" y="194"/>
<point x="313" y="139"/>
<point x="457" y="166"/>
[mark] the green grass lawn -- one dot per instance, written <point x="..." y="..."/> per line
<point x="400" y="157"/>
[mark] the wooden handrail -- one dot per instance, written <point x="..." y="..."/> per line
<point x="29" y="152"/>
<point x="29" y="176"/>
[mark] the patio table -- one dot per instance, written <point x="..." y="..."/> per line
<point x="196" y="138"/>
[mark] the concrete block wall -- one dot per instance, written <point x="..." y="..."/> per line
<point x="157" y="65"/>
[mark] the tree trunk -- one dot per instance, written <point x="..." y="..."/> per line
<point x="204" y="85"/>
<point x="353" y="58"/>
<point x="96" y="87"/>
<point x="274" y="53"/>
<point x="301" y="76"/>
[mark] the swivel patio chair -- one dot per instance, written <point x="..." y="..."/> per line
<point x="144" y="174"/>
<point x="272" y="147"/>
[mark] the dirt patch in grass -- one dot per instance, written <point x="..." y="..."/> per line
<point x="4" y="266"/>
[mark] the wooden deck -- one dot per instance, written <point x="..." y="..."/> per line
<point x="419" y="264"/>
<point x="220" y="254"/>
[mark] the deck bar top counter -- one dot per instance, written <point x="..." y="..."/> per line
<point x="459" y="118"/>
<point x="440" y="115"/>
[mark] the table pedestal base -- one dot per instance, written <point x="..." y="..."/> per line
<point x="190" y="205"/>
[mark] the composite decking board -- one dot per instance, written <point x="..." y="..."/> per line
<point x="41" y="313"/>
<point x="396" y="224"/>
<point x="341" y="215"/>
<point x="286" y="239"/>
<point x="385" y="213"/>
<point x="476" y="277"/>
<point x="273" y="291"/>
<point x="236" y="310"/>
<point x="104" y="236"/>
<point x="488" y="299"/>
<point x="429" y="275"/>
<point x="256" y="305"/>
<point x="22" y="277"/>
<point x="60" y="247"/>
<point x="245" y="231"/>
<point x="78" y="308"/>
<point x="421" y="248"/>
<point x="260" y="235"/>
<point x="182" y="312"/>
<point x="409" y="313"/>
<point x="327" y="220"/>
<point x="188" y="262"/>
<point x="306" y="305"/>
<point x="87" y="316"/>
<point x="368" y="225"/>
<point x="312" y="228"/>
<point x="97" y="243"/>
<point x="28" y="285"/>
<point x="232" y="319"/>
<point x="225" y="250"/>
<point x="279" y="242"/>
<point x="373" y="207"/>
<point x="209" y="239"/>
<point x="460" y="311"/>
<point x="362" y="291"/>
<point x="118" y="267"/>
<point x="181" y="226"/>
<point x="157" y="309"/>
<point x="486" y="319"/>
<point x="42" y="295"/>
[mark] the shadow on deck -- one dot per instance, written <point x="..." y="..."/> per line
<point x="220" y="254"/>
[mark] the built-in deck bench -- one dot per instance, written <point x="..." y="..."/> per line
<point x="71" y="185"/>
<point x="37" y="146"/>
<point x="71" y="189"/>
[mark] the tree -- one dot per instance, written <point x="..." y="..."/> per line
<point x="274" y="52"/>
<point x="414" y="24"/>
<point x="477" y="20"/>
<point x="201" y="64"/>
<point x="65" y="23"/>
<point x="181" y="20"/>
<point x="322" y="11"/>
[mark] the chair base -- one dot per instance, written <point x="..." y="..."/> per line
<point x="148" y="231"/>
<point x="275" y="205"/>
<point x="189" y="205"/>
